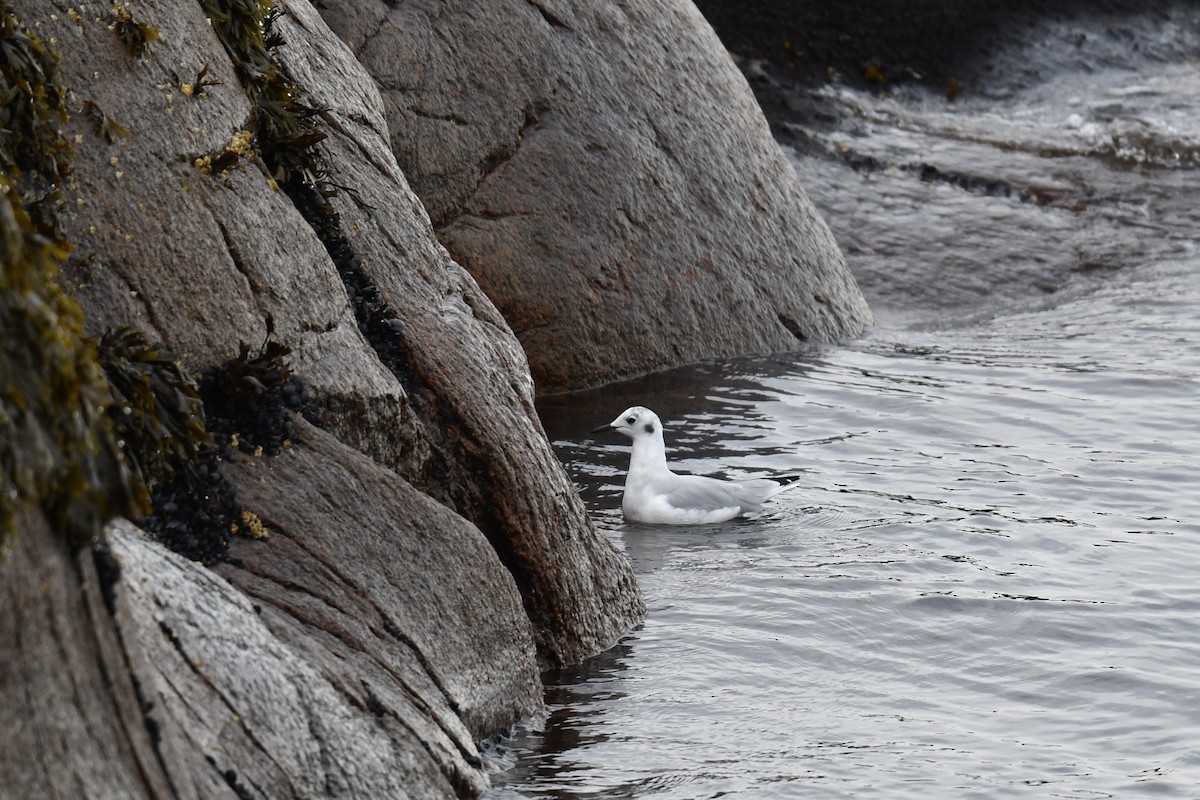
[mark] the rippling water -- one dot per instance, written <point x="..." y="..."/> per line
<point x="987" y="586"/>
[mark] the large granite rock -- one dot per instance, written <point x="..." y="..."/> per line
<point x="361" y="650"/>
<point x="463" y="372"/>
<point x="201" y="262"/>
<point x="428" y="553"/>
<point x="606" y="175"/>
<point x="326" y="667"/>
<point x="73" y="724"/>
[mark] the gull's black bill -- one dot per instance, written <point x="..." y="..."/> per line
<point x="602" y="428"/>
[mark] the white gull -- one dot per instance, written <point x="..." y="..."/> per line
<point x="655" y="494"/>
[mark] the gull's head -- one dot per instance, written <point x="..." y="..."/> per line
<point x="636" y="422"/>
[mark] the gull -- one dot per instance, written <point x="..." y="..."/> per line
<point x="655" y="494"/>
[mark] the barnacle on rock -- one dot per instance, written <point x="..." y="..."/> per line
<point x="241" y="146"/>
<point x="254" y="526"/>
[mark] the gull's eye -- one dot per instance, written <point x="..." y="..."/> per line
<point x="631" y="420"/>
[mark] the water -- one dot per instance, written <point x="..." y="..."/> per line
<point x="987" y="586"/>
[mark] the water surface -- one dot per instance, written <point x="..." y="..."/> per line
<point x="986" y="585"/>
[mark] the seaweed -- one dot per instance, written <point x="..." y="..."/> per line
<point x="251" y="400"/>
<point x="56" y="447"/>
<point x="134" y="34"/>
<point x="196" y="87"/>
<point x="34" y="153"/>
<point x="107" y="128"/>
<point x="287" y="136"/>
<point x="285" y="130"/>
<point x="177" y="433"/>
<point x="157" y="413"/>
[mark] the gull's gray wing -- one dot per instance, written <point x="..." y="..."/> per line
<point x="710" y="494"/>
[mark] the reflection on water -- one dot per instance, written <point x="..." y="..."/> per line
<point x="987" y="585"/>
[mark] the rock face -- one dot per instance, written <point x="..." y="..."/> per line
<point x="323" y="669"/>
<point x="464" y="375"/>
<point x="72" y="720"/>
<point x="361" y="650"/>
<point x="201" y="262"/>
<point x="606" y="175"/>
<point x="428" y="553"/>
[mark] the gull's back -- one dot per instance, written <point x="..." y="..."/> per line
<point x="668" y="498"/>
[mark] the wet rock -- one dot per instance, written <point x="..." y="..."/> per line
<point x="606" y="175"/>
<point x="427" y="551"/>
<point x="463" y="371"/>
<point x="72" y="718"/>
<point x="360" y="648"/>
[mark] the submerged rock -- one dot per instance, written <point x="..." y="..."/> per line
<point x="606" y="175"/>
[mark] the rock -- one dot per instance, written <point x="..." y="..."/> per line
<point x="203" y="262"/>
<point x="411" y="588"/>
<point x="237" y="712"/>
<point x="72" y="719"/>
<point x="360" y="650"/>
<point x="464" y="373"/>
<point x="428" y="552"/>
<point x="606" y="175"/>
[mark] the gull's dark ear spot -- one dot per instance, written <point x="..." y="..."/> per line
<point x="649" y="427"/>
